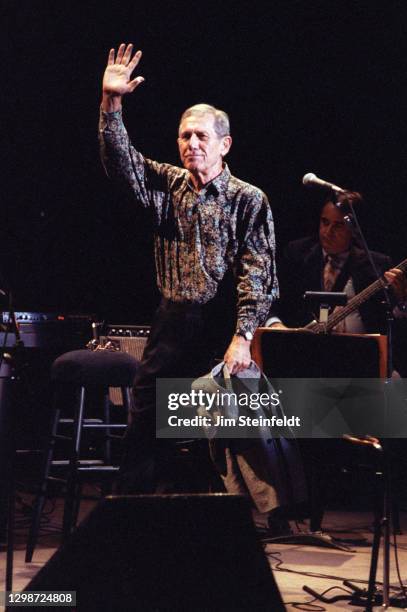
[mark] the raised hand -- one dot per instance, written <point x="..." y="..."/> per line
<point x="117" y="79"/>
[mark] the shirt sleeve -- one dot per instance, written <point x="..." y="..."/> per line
<point x="147" y="180"/>
<point x="257" y="284"/>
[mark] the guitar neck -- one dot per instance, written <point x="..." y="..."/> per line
<point x="353" y="304"/>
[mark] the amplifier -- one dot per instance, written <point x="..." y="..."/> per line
<point x="46" y="336"/>
<point x="127" y="331"/>
<point x="62" y="332"/>
<point x="129" y="339"/>
<point x="25" y="318"/>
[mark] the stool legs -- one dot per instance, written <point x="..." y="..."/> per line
<point x="72" y="481"/>
<point x="106" y="487"/>
<point x="127" y="399"/>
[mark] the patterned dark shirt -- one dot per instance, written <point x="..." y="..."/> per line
<point x="198" y="236"/>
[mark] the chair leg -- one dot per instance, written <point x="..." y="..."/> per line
<point x="71" y="485"/>
<point x="42" y="492"/>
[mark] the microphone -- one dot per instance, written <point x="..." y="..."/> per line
<point x="312" y="179"/>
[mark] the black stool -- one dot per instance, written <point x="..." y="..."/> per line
<point x="86" y="371"/>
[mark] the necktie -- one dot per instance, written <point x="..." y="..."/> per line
<point x="331" y="272"/>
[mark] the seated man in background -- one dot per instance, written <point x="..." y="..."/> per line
<point x="334" y="261"/>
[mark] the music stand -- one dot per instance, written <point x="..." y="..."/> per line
<point x="324" y="300"/>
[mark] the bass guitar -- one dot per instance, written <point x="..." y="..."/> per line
<point x="341" y="313"/>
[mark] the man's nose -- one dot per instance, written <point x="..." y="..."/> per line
<point x="193" y="141"/>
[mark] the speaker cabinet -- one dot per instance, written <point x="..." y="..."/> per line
<point x="164" y="552"/>
<point x="130" y="339"/>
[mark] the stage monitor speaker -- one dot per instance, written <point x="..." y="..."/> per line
<point x="164" y="552"/>
<point x="130" y="339"/>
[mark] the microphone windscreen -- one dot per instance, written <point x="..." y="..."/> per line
<point x="308" y="178"/>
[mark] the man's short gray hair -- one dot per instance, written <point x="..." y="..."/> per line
<point x="221" y="119"/>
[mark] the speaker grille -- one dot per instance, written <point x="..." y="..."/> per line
<point x="131" y="344"/>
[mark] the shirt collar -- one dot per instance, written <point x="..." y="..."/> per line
<point x="220" y="183"/>
<point x="217" y="185"/>
<point x="339" y="258"/>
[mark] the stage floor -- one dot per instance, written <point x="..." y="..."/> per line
<point x="293" y="564"/>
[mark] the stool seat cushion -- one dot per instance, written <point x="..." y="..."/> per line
<point x="104" y="368"/>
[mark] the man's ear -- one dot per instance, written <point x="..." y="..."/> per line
<point x="227" y="143"/>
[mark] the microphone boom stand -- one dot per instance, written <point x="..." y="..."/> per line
<point x="361" y="597"/>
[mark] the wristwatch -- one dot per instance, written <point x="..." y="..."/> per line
<point x="247" y="335"/>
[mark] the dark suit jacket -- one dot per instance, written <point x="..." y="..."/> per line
<point x="300" y="270"/>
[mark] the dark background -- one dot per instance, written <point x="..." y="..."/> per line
<point x="309" y="86"/>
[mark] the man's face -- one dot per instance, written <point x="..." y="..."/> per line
<point x="201" y="149"/>
<point x="334" y="233"/>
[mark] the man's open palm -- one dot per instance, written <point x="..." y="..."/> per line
<point x="117" y="79"/>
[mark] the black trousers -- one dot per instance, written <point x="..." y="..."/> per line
<point x="185" y="341"/>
